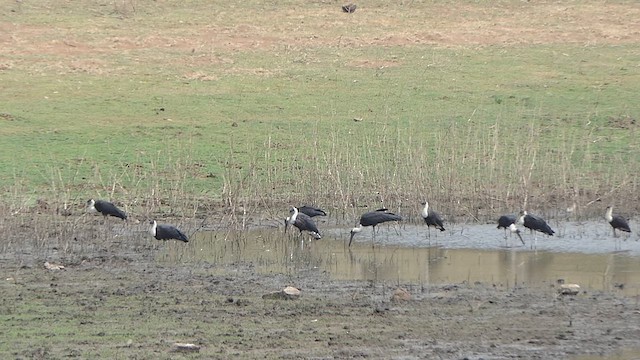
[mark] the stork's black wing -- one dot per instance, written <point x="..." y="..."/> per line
<point x="312" y="211"/>
<point x="620" y="223"/>
<point x="108" y="209"/>
<point x="168" y="232"/>
<point x="505" y="221"/>
<point x="538" y="224"/>
<point x="305" y="223"/>
<point x="377" y="217"/>
<point x="434" y="220"/>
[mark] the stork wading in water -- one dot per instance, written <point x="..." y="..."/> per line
<point x="431" y="218"/>
<point x="166" y="232"/>
<point x="372" y="219"/>
<point x="302" y="222"/>
<point x="105" y="208"/>
<point x="535" y="223"/>
<point x="508" y="222"/>
<point x="617" y="222"/>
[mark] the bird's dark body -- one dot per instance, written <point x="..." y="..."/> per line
<point x="109" y="209"/>
<point x="431" y="218"/>
<point x="434" y="220"/>
<point x="505" y="221"/>
<point x="305" y="223"/>
<point x="311" y="211"/>
<point x="620" y="223"/>
<point x="536" y="223"/>
<point x="169" y="232"/>
<point x="374" y="218"/>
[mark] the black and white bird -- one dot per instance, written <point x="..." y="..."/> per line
<point x="312" y="211"/>
<point x="105" y="208"/>
<point x="372" y="219"/>
<point x="508" y="222"/>
<point x="166" y="232"/>
<point x="617" y="222"/>
<point x="505" y="221"/>
<point x="431" y="218"/>
<point x="303" y="222"/>
<point x="535" y="223"/>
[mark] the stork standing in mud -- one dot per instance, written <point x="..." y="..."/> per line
<point x="166" y="232"/>
<point x="105" y="208"/>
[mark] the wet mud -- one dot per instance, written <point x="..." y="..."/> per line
<point x="127" y="295"/>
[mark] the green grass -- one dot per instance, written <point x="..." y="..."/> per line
<point x="443" y="122"/>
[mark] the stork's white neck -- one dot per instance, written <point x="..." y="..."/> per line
<point x="425" y="211"/>
<point x="609" y="214"/>
<point x="357" y="229"/>
<point x="91" y="206"/>
<point x="513" y="228"/>
<point x="293" y="217"/>
<point x="152" y="228"/>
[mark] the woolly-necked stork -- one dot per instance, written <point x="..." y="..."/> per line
<point x="431" y="218"/>
<point x="508" y="222"/>
<point x="616" y="221"/>
<point x="166" y="232"/>
<point x="535" y="223"/>
<point x="105" y="208"/>
<point x="312" y="211"/>
<point x="372" y="219"/>
<point x="303" y="222"/>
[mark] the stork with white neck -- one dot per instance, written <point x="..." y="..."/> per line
<point x="616" y="221"/>
<point x="372" y="219"/>
<point x="166" y="232"/>
<point x="303" y="222"/>
<point x="431" y="218"/>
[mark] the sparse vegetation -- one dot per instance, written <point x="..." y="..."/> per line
<point x="244" y="114"/>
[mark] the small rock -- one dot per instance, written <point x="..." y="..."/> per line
<point x="569" y="289"/>
<point x="291" y="291"/>
<point x="288" y="293"/>
<point x="49" y="266"/>
<point x="400" y="294"/>
<point x="185" y="347"/>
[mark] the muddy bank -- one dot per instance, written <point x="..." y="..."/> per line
<point x="119" y="297"/>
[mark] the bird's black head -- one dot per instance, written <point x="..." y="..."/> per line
<point x="351" y="237"/>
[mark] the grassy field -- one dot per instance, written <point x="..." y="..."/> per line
<point x="480" y="108"/>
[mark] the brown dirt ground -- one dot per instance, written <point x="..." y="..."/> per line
<point x="119" y="300"/>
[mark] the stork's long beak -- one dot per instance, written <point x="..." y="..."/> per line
<point x="351" y="238"/>
<point x="519" y="237"/>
